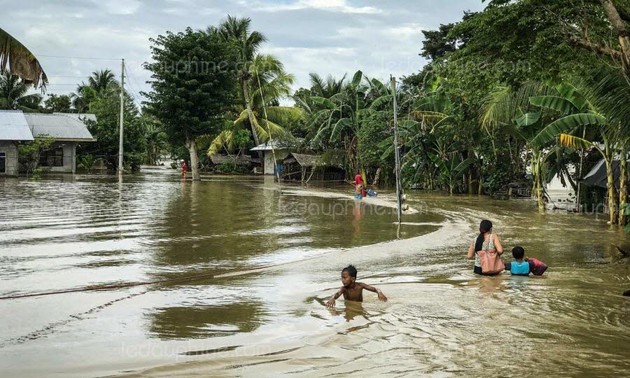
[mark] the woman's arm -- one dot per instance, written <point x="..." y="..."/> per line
<point x="471" y="251"/>
<point x="497" y="244"/>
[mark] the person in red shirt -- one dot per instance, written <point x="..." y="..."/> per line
<point x="184" y="167"/>
<point x="359" y="187"/>
<point x="358" y="180"/>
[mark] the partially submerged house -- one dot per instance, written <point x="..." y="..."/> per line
<point x="598" y="176"/>
<point x="243" y="160"/>
<point x="13" y="131"/>
<point x="269" y="149"/>
<point x="67" y="130"/>
<point x="305" y="167"/>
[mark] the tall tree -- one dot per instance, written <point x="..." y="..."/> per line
<point x="246" y="44"/>
<point x="106" y="108"/>
<point x="193" y="86"/>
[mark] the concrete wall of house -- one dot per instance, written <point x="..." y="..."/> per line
<point x="69" y="158"/>
<point x="268" y="160"/>
<point x="11" y="158"/>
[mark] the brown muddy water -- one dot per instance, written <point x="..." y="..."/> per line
<point x="269" y="257"/>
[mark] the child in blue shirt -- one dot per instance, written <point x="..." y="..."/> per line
<point x="521" y="266"/>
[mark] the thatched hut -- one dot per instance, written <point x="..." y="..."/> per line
<point x="306" y="167"/>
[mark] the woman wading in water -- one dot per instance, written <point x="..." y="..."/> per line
<point x="486" y="240"/>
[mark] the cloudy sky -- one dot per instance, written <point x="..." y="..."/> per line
<point x="73" y="38"/>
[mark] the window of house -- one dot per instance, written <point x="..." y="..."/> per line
<point x="3" y="162"/>
<point x="51" y="158"/>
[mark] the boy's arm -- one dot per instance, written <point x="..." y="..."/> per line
<point x="508" y="266"/>
<point x="331" y="301"/>
<point x="381" y="296"/>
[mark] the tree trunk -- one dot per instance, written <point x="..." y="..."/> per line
<point x="610" y="182"/>
<point x="480" y="186"/>
<point x="538" y="180"/>
<point x="610" y="186"/>
<point x="623" y="191"/>
<point x="250" y="116"/>
<point x="377" y="176"/>
<point x="194" y="159"/>
<point x="621" y="30"/>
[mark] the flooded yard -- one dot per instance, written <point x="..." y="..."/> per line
<point x="229" y="277"/>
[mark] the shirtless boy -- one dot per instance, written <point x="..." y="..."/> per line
<point x="352" y="290"/>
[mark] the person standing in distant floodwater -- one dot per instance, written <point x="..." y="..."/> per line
<point x="358" y="185"/>
<point x="184" y="168"/>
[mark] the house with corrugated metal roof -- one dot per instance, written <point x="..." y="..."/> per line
<point x="271" y="149"/>
<point x="67" y="130"/>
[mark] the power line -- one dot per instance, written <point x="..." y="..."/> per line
<point x="133" y="84"/>
<point x="76" y="57"/>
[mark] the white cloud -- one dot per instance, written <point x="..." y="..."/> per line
<point x="322" y="36"/>
<point x="326" y="5"/>
<point x="119" y="7"/>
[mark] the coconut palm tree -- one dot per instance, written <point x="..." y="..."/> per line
<point x="270" y="84"/>
<point x="13" y="94"/>
<point x="102" y="81"/>
<point x="17" y="59"/>
<point x="339" y="119"/>
<point x="237" y="30"/>
<point x="99" y="83"/>
<point x="325" y="88"/>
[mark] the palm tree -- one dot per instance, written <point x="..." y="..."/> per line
<point x="270" y="83"/>
<point x="237" y="30"/>
<point x="99" y="83"/>
<point x="102" y="80"/>
<point x="17" y="59"/>
<point x="325" y="88"/>
<point x="13" y="94"/>
<point x="339" y="119"/>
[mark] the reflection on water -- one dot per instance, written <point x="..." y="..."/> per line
<point x="266" y="259"/>
<point x="192" y="322"/>
<point x="350" y="311"/>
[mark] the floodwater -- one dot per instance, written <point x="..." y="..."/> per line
<point x="238" y="271"/>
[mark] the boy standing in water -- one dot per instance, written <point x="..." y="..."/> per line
<point x="352" y="290"/>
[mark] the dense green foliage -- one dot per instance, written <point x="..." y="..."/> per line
<point x="193" y="86"/>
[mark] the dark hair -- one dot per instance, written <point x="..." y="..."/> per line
<point x="484" y="227"/>
<point x="518" y="252"/>
<point x="352" y="271"/>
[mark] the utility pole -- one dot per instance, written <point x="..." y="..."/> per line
<point x="122" y="117"/>
<point x="397" y="153"/>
